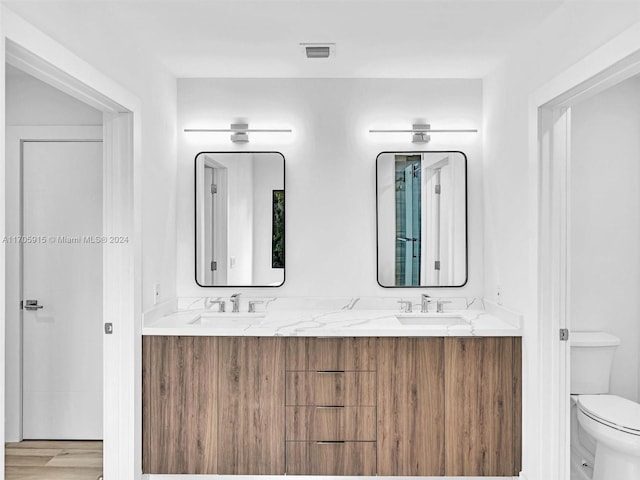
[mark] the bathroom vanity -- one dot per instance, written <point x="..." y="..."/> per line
<point x="412" y="400"/>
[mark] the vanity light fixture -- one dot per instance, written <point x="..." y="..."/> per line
<point x="421" y="132"/>
<point x="239" y="131"/>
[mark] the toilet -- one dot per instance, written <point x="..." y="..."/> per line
<point x="611" y="422"/>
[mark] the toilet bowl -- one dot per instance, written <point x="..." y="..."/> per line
<point x="614" y="424"/>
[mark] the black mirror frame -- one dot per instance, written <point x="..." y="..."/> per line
<point x="466" y="221"/>
<point x="195" y="220"/>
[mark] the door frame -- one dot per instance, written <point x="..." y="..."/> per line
<point x="28" y="49"/>
<point x="549" y="161"/>
<point x="219" y="212"/>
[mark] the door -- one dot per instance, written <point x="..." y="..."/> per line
<point x="179" y="404"/>
<point x="214" y="223"/>
<point x="62" y="272"/>
<point x="437" y="198"/>
<point x="410" y="413"/>
<point x="251" y="386"/>
<point x="482" y="392"/>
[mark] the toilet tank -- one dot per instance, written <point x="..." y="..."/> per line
<point x="591" y="360"/>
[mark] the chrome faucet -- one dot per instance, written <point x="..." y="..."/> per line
<point x="252" y="305"/>
<point x="210" y="303"/>
<point x="424" y="305"/>
<point x="235" y="301"/>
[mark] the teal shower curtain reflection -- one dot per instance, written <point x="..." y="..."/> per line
<point x="408" y="175"/>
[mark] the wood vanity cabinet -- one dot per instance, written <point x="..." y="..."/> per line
<point x="213" y="405"/>
<point x="428" y="406"/>
<point x="330" y="404"/>
<point x="411" y="406"/>
<point x="179" y="404"/>
<point x="449" y="406"/>
<point x="483" y="406"/>
<point x="250" y="406"/>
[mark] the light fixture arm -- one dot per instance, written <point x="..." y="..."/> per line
<point x="239" y="131"/>
<point x="421" y="131"/>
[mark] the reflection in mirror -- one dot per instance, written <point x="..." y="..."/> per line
<point x="422" y="219"/>
<point x="240" y="231"/>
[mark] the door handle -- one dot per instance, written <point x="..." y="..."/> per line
<point x="32" y="305"/>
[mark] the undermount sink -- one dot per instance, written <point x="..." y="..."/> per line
<point x="430" y="319"/>
<point x="228" y="320"/>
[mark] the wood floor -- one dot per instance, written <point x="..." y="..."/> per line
<point x="53" y="460"/>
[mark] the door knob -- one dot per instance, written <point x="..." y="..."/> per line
<point x="32" y="305"/>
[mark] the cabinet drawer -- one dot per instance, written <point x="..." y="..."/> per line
<point x="326" y="458"/>
<point x="331" y="388"/>
<point x="331" y="423"/>
<point x="331" y="353"/>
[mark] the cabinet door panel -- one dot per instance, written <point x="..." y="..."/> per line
<point x="410" y="406"/>
<point x="251" y="406"/>
<point x="318" y="458"/>
<point x="331" y="388"/>
<point x="179" y="404"/>
<point x="480" y="406"/>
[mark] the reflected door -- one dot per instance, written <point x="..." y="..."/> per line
<point x="214" y="206"/>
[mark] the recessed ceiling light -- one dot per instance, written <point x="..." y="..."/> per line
<point x="318" y="50"/>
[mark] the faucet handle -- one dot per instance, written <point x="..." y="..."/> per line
<point x="220" y="303"/>
<point x="440" y="304"/>
<point x="252" y="305"/>
<point x="405" y="305"/>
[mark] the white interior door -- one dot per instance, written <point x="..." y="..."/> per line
<point x="62" y="270"/>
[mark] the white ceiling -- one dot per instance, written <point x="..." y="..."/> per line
<point x="243" y="38"/>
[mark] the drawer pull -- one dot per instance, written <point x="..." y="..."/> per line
<point x="330" y="406"/>
<point x="332" y="442"/>
<point x="331" y="372"/>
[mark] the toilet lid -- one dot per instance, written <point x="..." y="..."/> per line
<point x="611" y="410"/>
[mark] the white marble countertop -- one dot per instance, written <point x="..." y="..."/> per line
<point x="332" y="318"/>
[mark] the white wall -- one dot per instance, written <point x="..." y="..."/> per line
<point x="30" y="101"/>
<point x="510" y="204"/>
<point x="240" y="219"/>
<point x="267" y="177"/>
<point x="155" y="87"/>
<point x="604" y="276"/>
<point x="145" y="87"/>
<point x="330" y="168"/>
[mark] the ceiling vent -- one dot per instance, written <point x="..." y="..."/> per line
<point x="318" y="50"/>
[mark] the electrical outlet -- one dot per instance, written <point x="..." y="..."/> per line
<point x="156" y="293"/>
